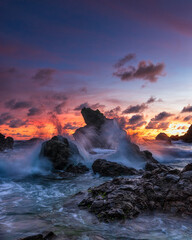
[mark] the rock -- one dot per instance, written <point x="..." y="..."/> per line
<point x="112" y="169"/>
<point x="163" y="137"/>
<point x="77" y="169"/>
<point x="93" y="118"/>
<point x="6" y="143"/>
<point x="163" y="189"/>
<point x="175" y="137"/>
<point x="59" y="151"/>
<point x="45" y="236"/>
<point x="188" y="167"/>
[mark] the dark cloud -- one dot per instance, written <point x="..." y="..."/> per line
<point x="188" y="118"/>
<point x="4" y="117"/>
<point x="162" y="116"/>
<point x="113" y="112"/>
<point x="59" y="108"/>
<point x="87" y="105"/>
<point x="135" y="109"/>
<point x="122" y="122"/>
<point x="187" y="109"/>
<point x="145" y="70"/>
<point x="43" y="76"/>
<point x="135" y="119"/>
<point x="12" y="104"/>
<point x="59" y="96"/>
<point x="153" y="99"/>
<point x="124" y="60"/>
<point x="34" y="111"/>
<point x="16" y="123"/>
<point x="70" y="126"/>
<point x="83" y="90"/>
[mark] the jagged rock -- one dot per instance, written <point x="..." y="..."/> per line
<point x="112" y="169"/>
<point x="6" y="143"/>
<point x="188" y="167"/>
<point x="59" y="150"/>
<point x="163" y="137"/>
<point x="93" y="118"/>
<point x="160" y="188"/>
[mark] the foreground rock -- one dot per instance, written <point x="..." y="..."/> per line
<point x="112" y="169"/>
<point x="60" y="152"/>
<point x="45" y="236"/>
<point x="163" y="137"/>
<point x="6" y="143"/>
<point x="160" y="188"/>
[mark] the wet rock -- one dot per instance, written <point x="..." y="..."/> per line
<point x="188" y="167"/>
<point x="59" y="151"/>
<point x="112" y="169"/>
<point x="163" y="137"/>
<point x="188" y="136"/>
<point x="77" y="169"/>
<point x="6" y="143"/>
<point x="44" y="236"/>
<point x="160" y="188"/>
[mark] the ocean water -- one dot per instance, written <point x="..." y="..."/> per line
<point x="33" y="200"/>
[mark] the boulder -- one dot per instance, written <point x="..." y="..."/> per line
<point x="163" y="137"/>
<point x="161" y="188"/>
<point x="112" y="169"/>
<point x="59" y="151"/>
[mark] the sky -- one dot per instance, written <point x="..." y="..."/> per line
<point x="130" y="59"/>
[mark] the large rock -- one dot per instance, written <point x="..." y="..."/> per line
<point x="160" y="188"/>
<point x="6" y="143"/>
<point x="112" y="169"/>
<point x="163" y="137"/>
<point x="44" y="236"/>
<point x="59" y="151"/>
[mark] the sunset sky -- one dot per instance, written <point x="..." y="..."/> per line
<point x="130" y="59"/>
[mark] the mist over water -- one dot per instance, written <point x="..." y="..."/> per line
<point x="33" y="200"/>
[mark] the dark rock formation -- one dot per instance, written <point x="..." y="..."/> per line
<point x="187" y="137"/>
<point x="111" y="169"/>
<point x="6" y="143"/>
<point x="77" y="169"/>
<point x="93" y="118"/>
<point x="59" y="151"/>
<point x="160" y="188"/>
<point x="45" y="236"/>
<point x="163" y="137"/>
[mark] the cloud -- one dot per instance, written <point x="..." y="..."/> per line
<point x="113" y="112"/>
<point x="145" y="70"/>
<point x="58" y="109"/>
<point x="135" y="109"/>
<point x="70" y="126"/>
<point x="16" y="123"/>
<point x="12" y="104"/>
<point x="153" y="99"/>
<point x="188" y="118"/>
<point x="187" y="109"/>
<point x="4" y="117"/>
<point x="162" y="116"/>
<point x="135" y="119"/>
<point x="34" y="111"/>
<point x="124" y="60"/>
<point x="87" y="105"/>
<point x="43" y="76"/>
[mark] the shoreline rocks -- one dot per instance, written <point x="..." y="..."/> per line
<point x="160" y="188"/>
<point x="112" y="169"/>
